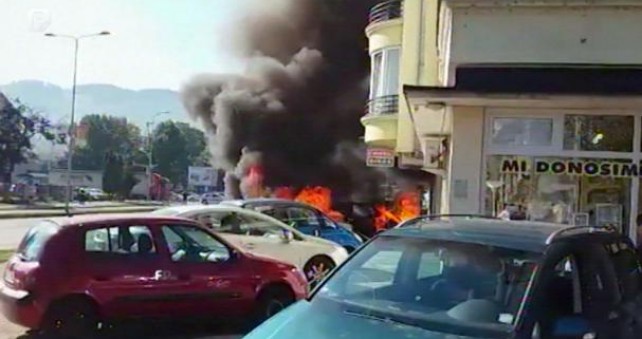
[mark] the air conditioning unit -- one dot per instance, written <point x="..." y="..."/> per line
<point x="434" y="149"/>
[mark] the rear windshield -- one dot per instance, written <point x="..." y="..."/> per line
<point x="35" y="240"/>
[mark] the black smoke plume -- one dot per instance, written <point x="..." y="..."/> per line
<point x="295" y="110"/>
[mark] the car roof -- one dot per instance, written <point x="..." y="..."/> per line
<point x="265" y="201"/>
<point x="520" y="235"/>
<point x="81" y="220"/>
<point x="182" y="209"/>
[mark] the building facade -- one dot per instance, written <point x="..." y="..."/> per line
<point x="526" y="105"/>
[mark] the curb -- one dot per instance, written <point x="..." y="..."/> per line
<point x="61" y="213"/>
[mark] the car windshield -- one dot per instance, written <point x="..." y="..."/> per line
<point x="458" y="288"/>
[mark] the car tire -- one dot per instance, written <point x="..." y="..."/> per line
<point x="317" y="268"/>
<point x="72" y="319"/>
<point x="272" y="301"/>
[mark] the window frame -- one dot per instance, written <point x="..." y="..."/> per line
<point x="111" y="254"/>
<point x="230" y="250"/>
<point x="381" y="78"/>
<point x="557" y="148"/>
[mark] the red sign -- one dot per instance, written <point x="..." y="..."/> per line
<point x="380" y="157"/>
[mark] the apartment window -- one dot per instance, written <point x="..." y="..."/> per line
<point x="385" y="73"/>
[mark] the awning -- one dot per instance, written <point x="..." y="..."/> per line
<point x="589" y="86"/>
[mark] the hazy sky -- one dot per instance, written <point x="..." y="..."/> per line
<point x="154" y="43"/>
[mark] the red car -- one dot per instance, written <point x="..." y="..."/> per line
<point x="70" y="276"/>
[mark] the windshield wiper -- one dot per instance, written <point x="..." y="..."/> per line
<point x="388" y="320"/>
<point x="434" y="325"/>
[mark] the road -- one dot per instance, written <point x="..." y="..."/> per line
<point x="12" y="231"/>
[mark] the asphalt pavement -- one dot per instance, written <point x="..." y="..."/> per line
<point x="12" y="231"/>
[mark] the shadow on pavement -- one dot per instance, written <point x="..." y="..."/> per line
<point x="164" y="330"/>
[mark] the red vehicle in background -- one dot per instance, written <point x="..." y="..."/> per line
<point x="68" y="278"/>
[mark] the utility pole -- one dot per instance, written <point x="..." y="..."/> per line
<point x="72" y="129"/>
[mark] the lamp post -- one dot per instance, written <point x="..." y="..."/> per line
<point x="72" y="134"/>
<point x="150" y="149"/>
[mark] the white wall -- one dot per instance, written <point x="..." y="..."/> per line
<point x="465" y="168"/>
<point x="92" y="179"/>
<point x="535" y="34"/>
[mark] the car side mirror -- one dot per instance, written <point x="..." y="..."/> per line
<point x="573" y="327"/>
<point x="287" y="236"/>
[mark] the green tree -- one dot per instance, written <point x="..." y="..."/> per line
<point x="176" y="147"/>
<point x="18" y="125"/>
<point x="114" y="173"/>
<point x="105" y="135"/>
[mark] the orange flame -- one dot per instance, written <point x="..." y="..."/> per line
<point x="407" y="205"/>
<point x="321" y="198"/>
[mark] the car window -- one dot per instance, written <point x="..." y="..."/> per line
<point x="35" y="240"/>
<point x="396" y="275"/>
<point x="120" y="240"/>
<point x="302" y="217"/>
<point x="430" y="265"/>
<point x="191" y="244"/>
<point x="378" y="271"/>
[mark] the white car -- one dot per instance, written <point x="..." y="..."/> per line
<point x="212" y="198"/>
<point x="263" y="235"/>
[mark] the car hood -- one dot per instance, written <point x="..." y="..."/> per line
<point x="304" y="320"/>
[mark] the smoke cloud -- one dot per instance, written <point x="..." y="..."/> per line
<point x="295" y="110"/>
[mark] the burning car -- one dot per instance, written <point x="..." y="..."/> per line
<point x="305" y="218"/>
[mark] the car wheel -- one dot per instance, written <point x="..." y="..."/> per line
<point x="272" y="301"/>
<point x="317" y="268"/>
<point x="72" y="319"/>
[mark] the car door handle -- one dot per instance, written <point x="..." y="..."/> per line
<point x="249" y="245"/>
<point x="101" y="278"/>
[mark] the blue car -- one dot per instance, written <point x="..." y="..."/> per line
<point x="307" y="219"/>
<point x="474" y="278"/>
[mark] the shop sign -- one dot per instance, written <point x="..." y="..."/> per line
<point x="603" y="168"/>
<point x="380" y="157"/>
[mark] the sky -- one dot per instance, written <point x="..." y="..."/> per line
<point x="153" y="43"/>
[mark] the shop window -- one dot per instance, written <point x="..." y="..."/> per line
<point x="561" y="190"/>
<point x="596" y="133"/>
<point x="385" y="73"/>
<point x="522" y="132"/>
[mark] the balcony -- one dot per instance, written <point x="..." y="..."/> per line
<point x="384" y="105"/>
<point x="387" y="10"/>
<point x="380" y="121"/>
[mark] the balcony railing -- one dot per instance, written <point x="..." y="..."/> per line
<point x="383" y="105"/>
<point x="387" y="10"/>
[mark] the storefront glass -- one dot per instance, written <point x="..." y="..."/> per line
<point x="511" y="131"/>
<point x="563" y="190"/>
<point x="612" y="133"/>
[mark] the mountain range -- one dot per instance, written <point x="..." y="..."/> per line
<point x="54" y="103"/>
<point x="138" y="106"/>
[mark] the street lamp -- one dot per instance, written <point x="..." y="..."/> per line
<point x="150" y="148"/>
<point x="72" y="134"/>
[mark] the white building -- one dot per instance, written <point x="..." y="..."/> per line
<point x="539" y="104"/>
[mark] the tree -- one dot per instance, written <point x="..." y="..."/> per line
<point x="18" y="125"/>
<point x="105" y="135"/>
<point x="176" y="147"/>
